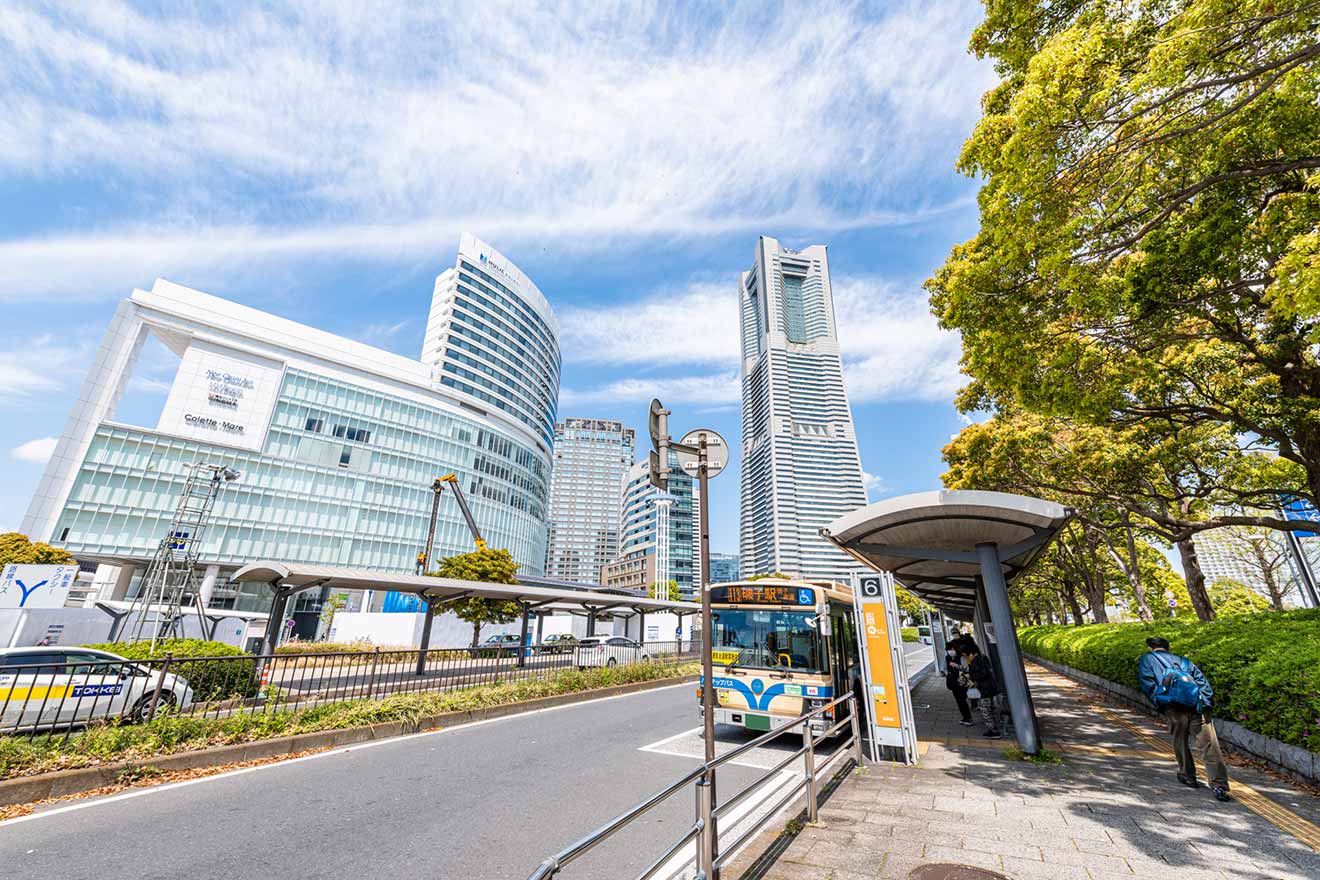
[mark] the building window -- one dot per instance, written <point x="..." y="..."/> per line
<point x="314" y="425"/>
<point x="345" y="455"/>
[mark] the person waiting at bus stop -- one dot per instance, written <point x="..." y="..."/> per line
<point x="953" y="673"/>
<point x="985" y="687"/>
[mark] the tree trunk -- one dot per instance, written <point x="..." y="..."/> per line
<point x="1275" y="590"/>
<point x="1070" y="596"/>
<point x="1134" y="573"/>
<point x="1195" y="579"/>
<point x="476" y="633"/>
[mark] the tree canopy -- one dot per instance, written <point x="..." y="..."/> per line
<point x="489" y="566"/>
<point x="16" y="548"/>
<point x="1148" y="252"/>
<point x="668" y="591"/>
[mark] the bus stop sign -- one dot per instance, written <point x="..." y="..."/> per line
<point x="888" y="708"/>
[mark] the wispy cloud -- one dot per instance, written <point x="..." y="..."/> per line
<point x="893" y="348"/>
<point x="38" y="366"/>
<point x="874" y="485"/>
<point x="715" y="388"/>
<point x="36" y="451"/>
<point x="583" y="122"/>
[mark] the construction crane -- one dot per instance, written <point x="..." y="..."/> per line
<point x="438" y="487"/>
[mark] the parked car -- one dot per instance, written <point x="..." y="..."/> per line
<point x="609" y="651"/>
<point x="559" y="643"/>
<point x="45" y="688"/>
<point x="501" y="645"/>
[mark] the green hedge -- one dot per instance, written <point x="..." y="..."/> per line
<point x="209" y="680"/>
<point x="1265" y="668"/>
<point x="910" y="634"/>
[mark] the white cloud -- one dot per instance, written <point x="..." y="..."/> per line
<point x="874" y="485"/>
<point x="893" y="348"/>
<point x="712" y="389"/>
<point x="39" y="366"/>
<point x="328" y="128"/>
<point x="36" y="451"/>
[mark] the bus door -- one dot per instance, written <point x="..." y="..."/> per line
<point x="846" y="663"/>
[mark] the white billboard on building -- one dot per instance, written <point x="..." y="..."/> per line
<point x="221" y="395"/>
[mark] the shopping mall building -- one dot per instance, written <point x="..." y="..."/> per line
<point x="337" y="442"/>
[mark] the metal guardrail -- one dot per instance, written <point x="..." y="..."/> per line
<point x="711" y="854"/>
<point x="41" y="696"/>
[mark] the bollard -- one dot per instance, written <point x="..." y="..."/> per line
<point x="813" y="811"/>
<point x="160" y="683"/>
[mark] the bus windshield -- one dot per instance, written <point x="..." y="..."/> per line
<point x="768" y="639"/>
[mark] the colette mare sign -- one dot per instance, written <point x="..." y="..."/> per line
<point x="36" y="586"/>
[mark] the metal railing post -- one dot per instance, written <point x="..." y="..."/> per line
<point x="856" y="730"/>
<point x="809" y="743"/>
<point x="371" y="682"/>
<point x="160" y="683"/>
<point x="706" y="815"/>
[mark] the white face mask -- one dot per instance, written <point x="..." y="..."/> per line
<point x="952" y="653"/>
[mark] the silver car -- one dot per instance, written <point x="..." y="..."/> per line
<point x="48" y="687"/>
<point x="609" y="651"/>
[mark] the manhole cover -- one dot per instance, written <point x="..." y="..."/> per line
<point x="946" y="871"/>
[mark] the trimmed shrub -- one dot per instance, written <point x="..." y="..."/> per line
<point x="910" y="634"/>
<point x="1264" y="668"/>
<point x="210" y="680"/>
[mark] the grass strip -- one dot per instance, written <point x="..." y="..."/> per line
<point x="170" y="734"/>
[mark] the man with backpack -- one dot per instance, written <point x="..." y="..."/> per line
<point x="1179" y="690"/>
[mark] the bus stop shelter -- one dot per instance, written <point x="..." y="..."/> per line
<point x="288" y="578"/>
<point x="959" y="550"/>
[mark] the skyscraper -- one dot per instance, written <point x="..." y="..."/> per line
<point x="723" y="567"/>
<point x="644" y="556"/>
<point x="591" y="458"/>
<point x="800" y="465"/>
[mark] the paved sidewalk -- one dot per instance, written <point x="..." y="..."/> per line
<point x="1113" y="809"/>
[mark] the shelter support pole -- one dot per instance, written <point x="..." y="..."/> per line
<point x="426" y="635"/>
<point x="641" y="628"/>
<point x="1015" y="676"/>
<point x="522" y="635"/>
<point x="591" y="620"/>
<point x="278" y="602"/>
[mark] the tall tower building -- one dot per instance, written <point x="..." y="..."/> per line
<point x="591" y="458"/>
<point x="800" y="467"/>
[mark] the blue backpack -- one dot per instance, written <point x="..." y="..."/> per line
<point x="1177" y="687"/>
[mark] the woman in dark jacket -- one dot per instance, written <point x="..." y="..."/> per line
<point x="952" y="672"/>
<point x="982" y="673"/>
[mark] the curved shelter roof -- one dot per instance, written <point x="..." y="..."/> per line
<point x="928" y="540"/>
<point x="295" y="577"/>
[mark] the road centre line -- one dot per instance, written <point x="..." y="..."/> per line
<point x="143" y="792"/>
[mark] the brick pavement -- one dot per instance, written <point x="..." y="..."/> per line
<point x="1113" y="809"/>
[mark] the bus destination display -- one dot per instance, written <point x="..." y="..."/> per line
<point x="762" y="595"/>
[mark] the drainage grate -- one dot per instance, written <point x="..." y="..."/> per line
<point x="945" y="871"/>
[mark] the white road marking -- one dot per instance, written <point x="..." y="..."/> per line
<point x="143" y="792"/>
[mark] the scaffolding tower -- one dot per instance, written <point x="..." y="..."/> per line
<point x="170" y="584"/>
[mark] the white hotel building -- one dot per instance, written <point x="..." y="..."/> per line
<point x="800" y="466"/>
<point x="338" y="442"/>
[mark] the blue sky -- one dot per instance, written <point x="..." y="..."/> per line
<point x="318" y="160"/>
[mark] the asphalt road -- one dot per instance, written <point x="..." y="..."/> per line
<point x="480" y="802"/>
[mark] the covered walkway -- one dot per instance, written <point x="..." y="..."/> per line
<point x="288" y="578"/>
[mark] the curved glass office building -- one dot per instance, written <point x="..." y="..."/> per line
<point x="337" y="442"/>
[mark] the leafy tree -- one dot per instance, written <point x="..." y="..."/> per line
<point x="775" y="574"/>
<point x="488" y="566"/>
<point x="1149" y="246"/>
<point x="1264" y="556"/>
<point x="670" y="592"/>
<point x="1233" y="597"/>
<point x="909" y="605"/>
<point x="330" y="607"/>
<point x="16" y="548"/>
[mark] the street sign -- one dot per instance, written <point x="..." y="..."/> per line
<point x="717" y="452"/>
<point x="35" y="586"/>
<point x="656" y="421"/>
<point x="884" y="665"/>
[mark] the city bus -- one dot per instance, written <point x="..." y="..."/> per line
<point x="780" y="649"/>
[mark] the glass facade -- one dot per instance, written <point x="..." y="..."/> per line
<point x="592" y="457"/>
<point x="343" y="479"/>
<point x="640" y="518"/>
